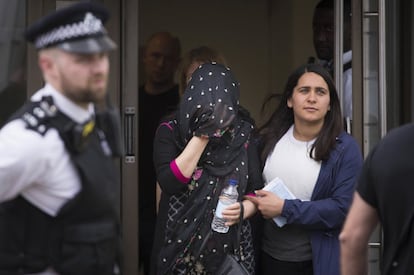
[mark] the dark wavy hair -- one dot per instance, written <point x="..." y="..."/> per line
<point x="282" y="118"/>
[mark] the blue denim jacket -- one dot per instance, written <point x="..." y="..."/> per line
<point x="324" y="215"/>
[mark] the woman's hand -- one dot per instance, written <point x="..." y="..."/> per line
<point x="269" y="204"/>
<point x="232" y="214"/>
<point x="215" y="121"/>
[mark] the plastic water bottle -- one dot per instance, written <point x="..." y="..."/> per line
<point x="228" y="196"/>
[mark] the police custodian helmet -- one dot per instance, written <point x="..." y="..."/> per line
<point x="77" y="28"/>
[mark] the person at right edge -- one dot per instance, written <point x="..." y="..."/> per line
<point x="384" y="196"/>
<point x="59" y="186"/>
<point x="324" y="43"/>
<point x="304" y="145"/>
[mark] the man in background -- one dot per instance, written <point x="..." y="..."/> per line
<point x="158" y="96"/>
<point x="324" y="43"/>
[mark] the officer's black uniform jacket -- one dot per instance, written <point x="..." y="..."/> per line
<point x="84" y="236"/>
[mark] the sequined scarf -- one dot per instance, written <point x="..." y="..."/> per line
<point x="209" y="107"/>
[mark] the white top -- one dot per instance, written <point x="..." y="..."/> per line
<point x="39" y="167"/>
<point x="290" y="161"/>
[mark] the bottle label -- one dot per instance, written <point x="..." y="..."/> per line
<point x="221" y="205"/>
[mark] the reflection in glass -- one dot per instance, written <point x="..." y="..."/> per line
<point x="12" y="56"/>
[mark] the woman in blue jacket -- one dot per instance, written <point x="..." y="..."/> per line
<point x="303" y="145"/>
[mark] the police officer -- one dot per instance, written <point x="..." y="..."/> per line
<point x="59" y="188"/>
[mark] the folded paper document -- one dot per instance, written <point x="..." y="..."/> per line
<point x="276" y="186"/>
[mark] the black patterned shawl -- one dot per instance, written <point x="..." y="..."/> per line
<point x="209" y="107"/>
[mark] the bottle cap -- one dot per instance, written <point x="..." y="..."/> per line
<point x="233" y="182"/>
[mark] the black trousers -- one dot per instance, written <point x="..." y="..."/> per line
<point x="272" y="266"/>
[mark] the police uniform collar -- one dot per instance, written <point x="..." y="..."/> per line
<point x="65" y="105"/>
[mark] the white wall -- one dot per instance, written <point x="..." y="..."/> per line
<point x="261" y="40"/>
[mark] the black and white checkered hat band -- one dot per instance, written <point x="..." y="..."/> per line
<point x="88" y="27"/>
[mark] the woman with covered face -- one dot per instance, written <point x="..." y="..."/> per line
<point x="304" y="145"/>
<point x="196" y="152"/>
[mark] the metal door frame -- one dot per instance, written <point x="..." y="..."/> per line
<point x="359" y="76"/>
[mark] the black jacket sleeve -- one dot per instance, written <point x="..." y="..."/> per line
<point x="165" y="151"/>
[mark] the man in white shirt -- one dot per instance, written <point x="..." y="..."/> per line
<point x="59" y="188"/>
<point x="324" y="42"/>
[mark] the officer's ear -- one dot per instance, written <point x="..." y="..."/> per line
<point x="46" y="62"/>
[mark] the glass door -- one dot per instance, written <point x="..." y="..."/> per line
<point x="377" y="65"/>
<point x="13" y="81"/>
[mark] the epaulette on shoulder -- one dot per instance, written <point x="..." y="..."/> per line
<point x="38" y="114"/>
